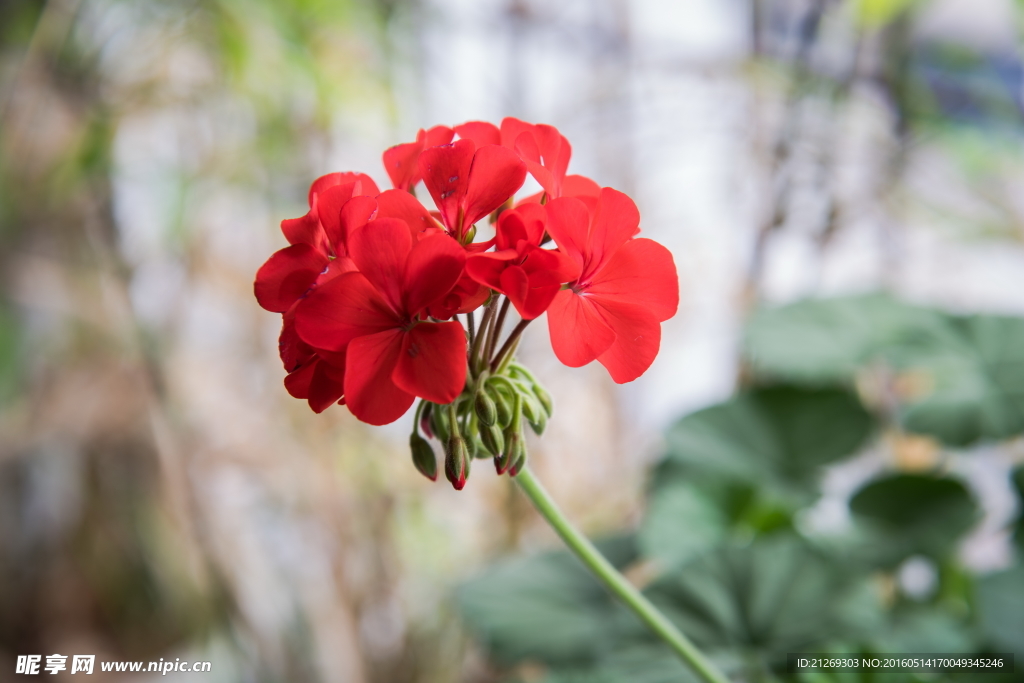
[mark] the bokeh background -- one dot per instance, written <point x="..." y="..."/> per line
<point x="825" y="457"/>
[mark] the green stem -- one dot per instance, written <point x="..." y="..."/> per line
<point x="615" y="581"/>
<point x="509" y="344"/>
<point x="493" y="340"/>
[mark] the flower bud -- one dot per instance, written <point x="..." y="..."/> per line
<point x="473" y="446"/>
<point x="470" y="235"/>
<point x="423" y="456"/>
<point x="545" y="399"/>
<point x="425" y="421"/>
<point x="439" y="423"/>
<point x="519" y="464"/>
<point x="539" y="424"/>
<point x="486" y="410"/>
<point x="502" y="404"/>
<point x="492" y="438"/>
<point x="513" y="448"/>
<point x="456" y="462"/>
<point x="531" y="409"/>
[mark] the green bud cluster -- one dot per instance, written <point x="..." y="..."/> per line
<point x="488" y="420"/>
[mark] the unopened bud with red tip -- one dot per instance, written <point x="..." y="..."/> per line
<point x="519" y="465"/>
<point x="456" y="462"/>
<point x="423" y="456"/>
<point x="513" y="449"/>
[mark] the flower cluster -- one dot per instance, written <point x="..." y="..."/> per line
<point x="372" y="285"/>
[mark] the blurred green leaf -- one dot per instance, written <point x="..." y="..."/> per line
<point x="828" y="340"/>
<point x="977" y="379"/>
<point x="914" y="514"/>
<point x="682" y="520"/>
<point x="773" y="596"/>
<point x="547" y="608"/>
<point x="775" y="436"/>
<point x="924" y="629"/>
<point x="1000" y="599"/>
<point x="1017" y="479"/>
<point x="966" y="375"/>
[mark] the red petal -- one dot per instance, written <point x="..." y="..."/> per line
<point x="487" y="268"/>
<point x="617" y="219"/>
<point x="580" y="186"/>
<point x="354" y="214"/>
<point x="438" y="135"/>
<point x="293" y="351"/>
<point x="433" y="267"/>
<point x="297" y="383"/>
<point x="557" y="266"/>
<point x="578" y="331"/>
<point x="445" y="172"/>
<point x="287" y="276"/>
<point x="380" y="249"/>
<point x="569" y="225"/>
<point x="327" y="386"/>
<point x="495" y="176"/>
<point x="399" y="204"/>
<point x="530" y="288"/>
<point x="303" y="230"/>
<point x="525" y="223"/>
<point x="480" y="132"/>
<point x="555" y="151"/>
<point x="328" y="209"/>
<point x="343" y="309"/>
<point x="433" y="362"/>
<point x="473" y="295"/>
<point x="527" y="149"/>
<point x="515" y="284"/>
<point x="402" y="164"/>
<point x="511" y="129"/>
<point x="364" y="184"/>
<point x="637" y="340"/>
<point x="370" y="393"/>
<point x="641" y="273"/>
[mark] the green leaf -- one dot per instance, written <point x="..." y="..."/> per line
<point x="914" y="514"/>
<point x="777" y="436"/>
<point x="1000" y="601"/>
<point x="1017" y="479"/>
<point x="969" y="372"/>
<point x="547" y="608"/>
<point x="682" y="520"/>
<point x="773" y="596"/>
<point x="977" y="381"/>
<point x="924" y="629"/>
<point x="828" y="340"/>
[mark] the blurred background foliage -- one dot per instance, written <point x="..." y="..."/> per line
<point x="838" y="180"/>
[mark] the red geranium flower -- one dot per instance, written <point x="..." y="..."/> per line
<point x="374" y="315"/>
<point x="316" y="255"/>
<point x="528" y="275"/>
<point x="626" y="288"/>
<point x="468" y="182"/>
